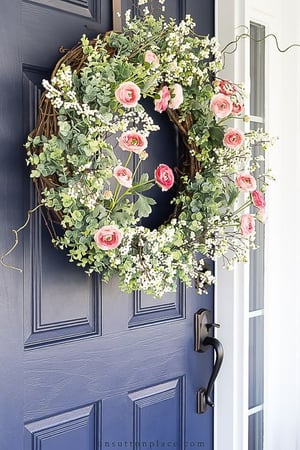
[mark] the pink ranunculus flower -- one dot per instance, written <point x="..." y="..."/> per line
<point x="233" y="138"/>
<point x="246" y="182"/>
<point x="128" y="94"/>
<point x="227" y="87"/>
<point x="237" y="108"/>
<point x="247" y="224"/>
<point x="162" y="102"/>
<point x="164" y="177"/>
<point x="258" y="199"/>
<point x="123" y="175"/>
<point x="221" y="105"/>
<point x="151" y="58"/>
<point x="108" y="237"/>
<point x="261" y="215"/>
<point x="133" y="141"/>
<point x="176" y="97"/>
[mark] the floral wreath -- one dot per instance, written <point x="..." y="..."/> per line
<point x="87" y="152"/>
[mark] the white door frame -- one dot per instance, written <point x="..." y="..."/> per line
<point x="282" y="307"/>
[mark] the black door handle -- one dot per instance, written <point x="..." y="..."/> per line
<point x="203" y="341"/>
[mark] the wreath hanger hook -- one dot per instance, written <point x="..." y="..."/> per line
<point x="117" y="18"/>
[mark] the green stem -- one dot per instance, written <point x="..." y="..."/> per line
<point x="128" y="159"/>
<point x="136" y="169"/>
<point x="147" y="43"/>
<point x="129" y="190"/>
<point x="244" y="206"/>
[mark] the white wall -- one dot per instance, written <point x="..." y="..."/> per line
<point x="282" y="309"/>
<point x="282" y="396"/>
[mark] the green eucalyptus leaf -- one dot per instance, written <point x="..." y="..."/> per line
<point x="142" y="205"/>
<point x="141" y="187"/>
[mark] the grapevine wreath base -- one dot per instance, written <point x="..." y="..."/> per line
<point x="87" y="151"/>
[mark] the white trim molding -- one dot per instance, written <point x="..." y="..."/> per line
<point x="231" y="291"/>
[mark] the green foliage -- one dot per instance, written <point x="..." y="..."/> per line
<point x="142" y="205"/>
<point x="82" y="158"/>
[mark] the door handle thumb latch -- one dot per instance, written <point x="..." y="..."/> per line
<point x="202" y="342"/>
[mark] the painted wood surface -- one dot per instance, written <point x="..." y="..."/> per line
<point x="82" y="365"/>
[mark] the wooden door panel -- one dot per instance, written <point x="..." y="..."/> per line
<point x="60" y="301"/>
<point x="150" y="416"/>
<point x="148" y="310"/>
<point x="85" y="8"/>
<point x="80" y="372"/>
<point x="49" y="25"/>
<point x="76" y="430"/>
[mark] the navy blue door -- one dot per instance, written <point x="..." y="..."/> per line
<point x="83" y="366"/>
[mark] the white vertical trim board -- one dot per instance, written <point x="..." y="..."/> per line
<point x="282" y="268"/>
<point x="282" y="244"/>
<point x="231" y="292"/>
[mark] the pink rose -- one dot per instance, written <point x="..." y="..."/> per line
<point x="227" y="87"/>
<point x="133" y="141"/>
<point x="233" y="138"/>
<point x="177" y="96"/>
<point x="246" y="182"/>
<point x="247" y="224"/>
<point x="258" y="199"/>
<point x="161" y="103"/>
<point x="128" y="94"/>
<point x="151" y="58"/>
<point x="221" y="105"/>
<point x="237" y="108"/>
<point x="108" y="237"/>
<point x="164" y="177"/>
<point x="123" y="175"/>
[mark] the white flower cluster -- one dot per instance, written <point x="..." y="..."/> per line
<point x="229" y="160"/>
<point x="87" y="190"/>
<point x="68" y="100"/>
<point x="62" y="93"/>
<point x="133" y="120"/>
<point x="186" y="65"/>
<point x="152" y="266"/>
